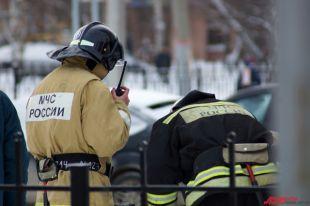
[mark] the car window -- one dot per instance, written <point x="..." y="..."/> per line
<point x="256" y="104"/>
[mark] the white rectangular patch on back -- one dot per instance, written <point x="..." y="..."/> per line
<point x="49" y="106"/>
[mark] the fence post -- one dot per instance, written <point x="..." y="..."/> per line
<point x="18" y="169"/>
<point x="145" y="81"/>
<point x="142" y="150"/>
<point x="199" y="78"/>
<point x="79" y="186"/>
<point x="232" y="183"/>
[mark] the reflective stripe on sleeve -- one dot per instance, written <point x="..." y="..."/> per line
<point x="126" y="118"/>
<point x="161" y="199"/>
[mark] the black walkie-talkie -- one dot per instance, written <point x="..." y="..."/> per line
<point x="119" y="91"/>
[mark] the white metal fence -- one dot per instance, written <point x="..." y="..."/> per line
<point x="218" y="78"/>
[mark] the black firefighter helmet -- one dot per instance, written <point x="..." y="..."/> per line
<point x="93" y="41"/>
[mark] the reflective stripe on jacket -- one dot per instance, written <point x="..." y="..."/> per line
<point x="162" y="199"/>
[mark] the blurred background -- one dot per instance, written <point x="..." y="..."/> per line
<point x="246" y="51"/>
<point x="172" y="46"/>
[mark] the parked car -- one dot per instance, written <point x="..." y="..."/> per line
<point x="259" y="100"/>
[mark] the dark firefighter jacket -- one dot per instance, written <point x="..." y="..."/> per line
<point x="9" y="124"/>
<point x="184" y="146"/>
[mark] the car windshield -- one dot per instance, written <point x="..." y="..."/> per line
<point x="256" y="104"/>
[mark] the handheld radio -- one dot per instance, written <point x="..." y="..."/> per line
<point x="119" y="91"/>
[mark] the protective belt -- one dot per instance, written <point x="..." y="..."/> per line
<point x="65" y="161"/>
<point x="48" y="168"/>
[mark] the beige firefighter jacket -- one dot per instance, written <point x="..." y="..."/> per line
<point x="72" y="111"/>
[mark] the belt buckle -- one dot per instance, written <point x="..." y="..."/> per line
<point x="47" y="170"/>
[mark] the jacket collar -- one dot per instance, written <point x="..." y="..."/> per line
<point x="192" y="97"/>
<point x="75" y="62"/>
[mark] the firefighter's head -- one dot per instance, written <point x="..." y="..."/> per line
<point x="95" y="42"/>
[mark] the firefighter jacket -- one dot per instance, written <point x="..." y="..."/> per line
<point x="184" y="147"/>
<point x="72" y="111"/>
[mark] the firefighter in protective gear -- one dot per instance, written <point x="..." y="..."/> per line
<point x="73" y="118"/>
<point x="186" y="147"/>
